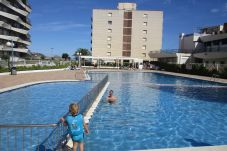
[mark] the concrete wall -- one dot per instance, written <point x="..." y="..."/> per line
<point x="154" y="33"/>
<point x="100" y="33"/>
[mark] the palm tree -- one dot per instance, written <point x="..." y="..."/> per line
<point x="65" y="56"/>
<point x="83" y="51"/>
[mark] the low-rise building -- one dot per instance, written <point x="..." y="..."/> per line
<point x="209" y="46"/>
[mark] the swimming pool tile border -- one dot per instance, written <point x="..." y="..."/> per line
<point x="34" y="83"/>
<point x="204" y="148"/>
<point x="91" y="110"/>
<point x="190" y="76"/>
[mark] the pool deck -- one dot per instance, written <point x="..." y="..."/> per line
<point x="8" y="82"/>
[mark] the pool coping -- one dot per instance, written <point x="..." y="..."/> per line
<point x="33" y="71"/>
<point x="203" y="148"/>
<point x="88" y="115"/>
<point x="198" y="77"/>
<point x="87" y="78"/>
<point x="34" y="83"/>
<point x="94" y="105"/>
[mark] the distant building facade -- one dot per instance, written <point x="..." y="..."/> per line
<point x="207" y="46"/>
<point x="14" y="26"/>
<point x="126" y="32"/>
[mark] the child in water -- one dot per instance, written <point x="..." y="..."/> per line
<point x="76" y="126"/>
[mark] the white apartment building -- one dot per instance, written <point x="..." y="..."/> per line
<point x="126" y="32"/>
<point x="14" y="27"/>
<point x="209" y="46"/>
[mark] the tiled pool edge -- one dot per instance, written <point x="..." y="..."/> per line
<point x="211" y="79"/>
<point x="206" y="78"/>
<point x="33" y="71"/>
<point x="204" y="148"/>
<point x="33" y="83"/>
<point x="91" y="110"/>
<point x="87" y="77"/>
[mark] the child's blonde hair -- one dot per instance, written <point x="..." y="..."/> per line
<point x="74" y="108"/>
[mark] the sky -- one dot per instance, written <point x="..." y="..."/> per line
<point x="63" y="26"/>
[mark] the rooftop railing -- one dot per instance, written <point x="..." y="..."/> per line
<point x="43" y="137"/>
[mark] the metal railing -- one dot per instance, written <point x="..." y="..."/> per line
<point x="42" y="137"/>
<point x="210" y="66"/>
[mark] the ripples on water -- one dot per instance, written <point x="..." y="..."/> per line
<point x="147" y="117"/>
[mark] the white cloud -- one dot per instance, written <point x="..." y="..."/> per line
<point x="58" y="26"/>
<point x="214" y="10"/>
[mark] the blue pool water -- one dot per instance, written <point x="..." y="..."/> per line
<point x="42" y="103"/>
<point x="149" y="117"/>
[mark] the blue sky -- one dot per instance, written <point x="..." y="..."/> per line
<point x="60" y="26"/>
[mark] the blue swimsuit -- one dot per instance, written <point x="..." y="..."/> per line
<point x="75" y="127"/>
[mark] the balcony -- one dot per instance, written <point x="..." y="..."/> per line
<point x="9" y="5"/>
<point x="211" y="55"/>
<point x="15" y="18"/>
<point x="26" y="6"/>
<point x="9" y="27"/>
<point x="16" y="39"/>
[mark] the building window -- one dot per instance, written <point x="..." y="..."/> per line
<point x="127" y="15"/>
<point x="109" y="30"/>
<point x="127" y="39"/>
<point x="126" y="53"/>
<point x="109" y="38"/>
<point x="109" y="46"/>
<point x="109" y="22"/>
<point x="109" y="14"/>
<point x="144" y="47"/>
<point x="224" y="41"/>
<point x="127" y="23"/>
<point x="145" y="15"/>
<point x="144" y="54"/>
<point x="222" y="62"/>
<point x="127" y="31"/>
<point x="126" y="46"/>
<point x="145" y="23"/>
<point x="208" y="44"/>
<point x="144" y="39"/>
<point x="108" y="54"/>
<point x="144" y="31"/>
<point x="216" y="42"/>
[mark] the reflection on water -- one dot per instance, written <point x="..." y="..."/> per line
<point x="150" y="114"/>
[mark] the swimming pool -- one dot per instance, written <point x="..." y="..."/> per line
<point x="42" y="103"/>
<point x="150" y="116"/>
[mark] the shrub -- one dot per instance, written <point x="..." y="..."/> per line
<point x="24" y="68"/>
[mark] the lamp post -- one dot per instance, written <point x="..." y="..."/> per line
<point x="13" y="69"/>
<point x="79" y="54"/>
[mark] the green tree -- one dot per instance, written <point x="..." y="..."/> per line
<point x="83" y="51"/>
<point x="65" y="56"/>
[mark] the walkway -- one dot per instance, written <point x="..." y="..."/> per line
<point x="7" y="81"/>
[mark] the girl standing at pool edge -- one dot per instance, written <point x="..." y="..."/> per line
<point x="76" y="126"/>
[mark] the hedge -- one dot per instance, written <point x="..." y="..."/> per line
<point x="24" y="68"/>
<point x="196" y="69"/>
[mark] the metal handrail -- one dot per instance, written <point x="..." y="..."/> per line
<point x="43" y="136"/>
<point x="26" y="125"/>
